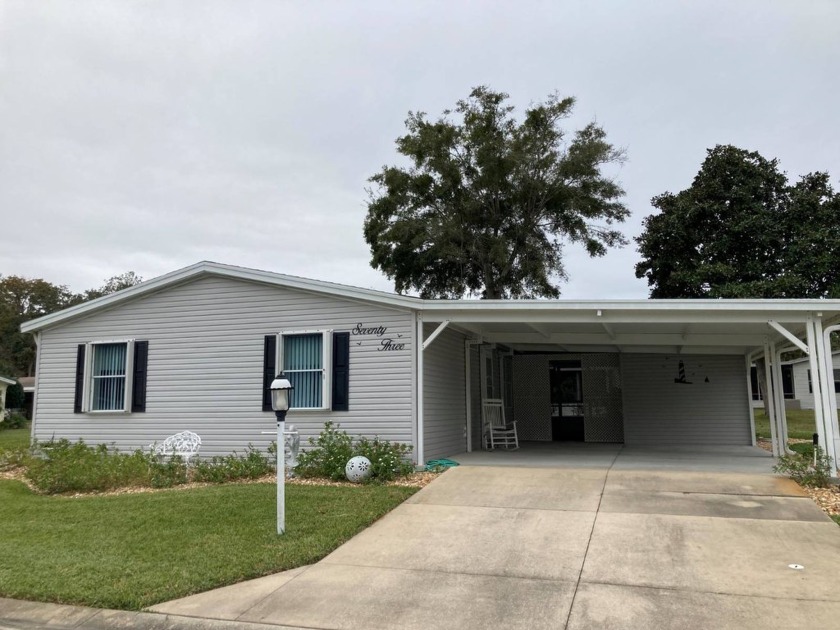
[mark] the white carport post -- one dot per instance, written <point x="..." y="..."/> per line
<point x="832" y="395"/>
<point x="823" y="401"/>
<point x="781" y="412"/>
<point x="749" y="361"/>
<point x="421" y="348"/>
<point x="770" y="399"/>
<point x="817" y="380"/>
<point x="468" y="344"/>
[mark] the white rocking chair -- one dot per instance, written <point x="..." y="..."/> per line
<point x="497" y="432"/>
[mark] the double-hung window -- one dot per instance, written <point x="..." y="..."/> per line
<point x="304" y="358"/>
<point x="108" y="377"/>
<point x="316" y="362"/>
<point x="111" y="376"/>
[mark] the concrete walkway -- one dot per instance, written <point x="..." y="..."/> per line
<point x="618" y="545"/>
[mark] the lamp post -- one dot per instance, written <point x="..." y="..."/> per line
<point x="280" y="390"/>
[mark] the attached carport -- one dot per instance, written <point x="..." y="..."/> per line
<point x="677" y="370"/>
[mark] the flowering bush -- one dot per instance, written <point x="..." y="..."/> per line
<point x="331" y="451"/>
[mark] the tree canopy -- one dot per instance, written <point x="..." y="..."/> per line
<point x="22" y="299"/>
<point x="488" y="200"/>
<point x="742" y="230"/>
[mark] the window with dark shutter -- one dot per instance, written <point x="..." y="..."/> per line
<point x="341" y="371"/>
<point x="80" y="378"/>
<point x="138" y="387"/>
<point x="269" y="359"/>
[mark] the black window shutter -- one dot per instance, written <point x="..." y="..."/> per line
<point x="138" y="387"/>
<point x="80" y="378"/>
<point x="341" y="371"/>
<point x="269" y="358"/>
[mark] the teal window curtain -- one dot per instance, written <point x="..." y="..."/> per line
<point x="303" y="364"/>
<point x="108" y="377"/>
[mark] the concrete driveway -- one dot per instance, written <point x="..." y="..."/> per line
<point x="621" y="545"/>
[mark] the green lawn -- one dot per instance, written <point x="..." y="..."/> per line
<point x="14" y="438"/>
<point x="801" y="423"/>
<point x="132" y="551"/>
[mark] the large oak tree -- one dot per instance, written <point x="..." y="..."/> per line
<point x="742" y="230"/>
<point x="487" y="200"/>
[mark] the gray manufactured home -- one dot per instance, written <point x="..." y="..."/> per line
<point x="196" y="349"/>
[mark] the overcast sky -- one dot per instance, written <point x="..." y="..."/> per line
<point x="147" y="136"/>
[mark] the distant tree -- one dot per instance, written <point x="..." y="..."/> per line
<point x="488" y="200"/>
<point x="22" y="299"/>
<point x="742" y="231"/>
<point x="113" y="284"/>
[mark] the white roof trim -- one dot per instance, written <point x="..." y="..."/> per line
<point x="8" y="381"/>
<point x="460" y="310"/>
<point x="229" y="271"/>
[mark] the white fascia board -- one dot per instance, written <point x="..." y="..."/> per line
<point x="8" y="381"/>
<point x="228" y="271"/>
<point x="628" y="339"/>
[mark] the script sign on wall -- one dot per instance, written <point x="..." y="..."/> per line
<point x="386" y="343"/>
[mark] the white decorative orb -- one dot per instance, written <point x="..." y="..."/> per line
<point x="357" y="469"/>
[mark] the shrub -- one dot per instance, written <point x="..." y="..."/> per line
<point x="330" y="452"/>
<point x="13" y="420"/>
<point x="801" y="468"/>
<point x="14" y="458"/>
<point x="232" y="467"/>
<point x="61" y="466"/>
<point x="328" y="456"/>
<point x="387" y="459"/>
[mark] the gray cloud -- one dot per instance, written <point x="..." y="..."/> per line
<point x="151" y="135"/>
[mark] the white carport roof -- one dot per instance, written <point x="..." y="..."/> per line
<point x="668" y="326"/>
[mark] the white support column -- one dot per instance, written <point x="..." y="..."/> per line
<point x="468" y="345"/>
<point x="779" y="399"/>
<point x="826" y="386"/>
<point x="816" y="388"/>
<point x="421" y="438"/>
<point x="750" y="397"/>
<point x="769" y="400"/>
<point x="832" y="395"/>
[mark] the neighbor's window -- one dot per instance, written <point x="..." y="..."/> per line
<point x="303" y="360"/>
<point x="108" y="377"/>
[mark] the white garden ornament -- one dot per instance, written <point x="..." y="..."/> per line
<point x="357" y="469"/>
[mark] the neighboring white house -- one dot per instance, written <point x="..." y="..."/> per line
<point x="196" y="349"/>
<point x="4" y="385"/>
<point x="802" y="385"/>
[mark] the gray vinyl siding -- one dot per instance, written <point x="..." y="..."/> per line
<point x="205" y="366"/>
<point x="444" y="400"/>
<point x="658" y="411"/>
